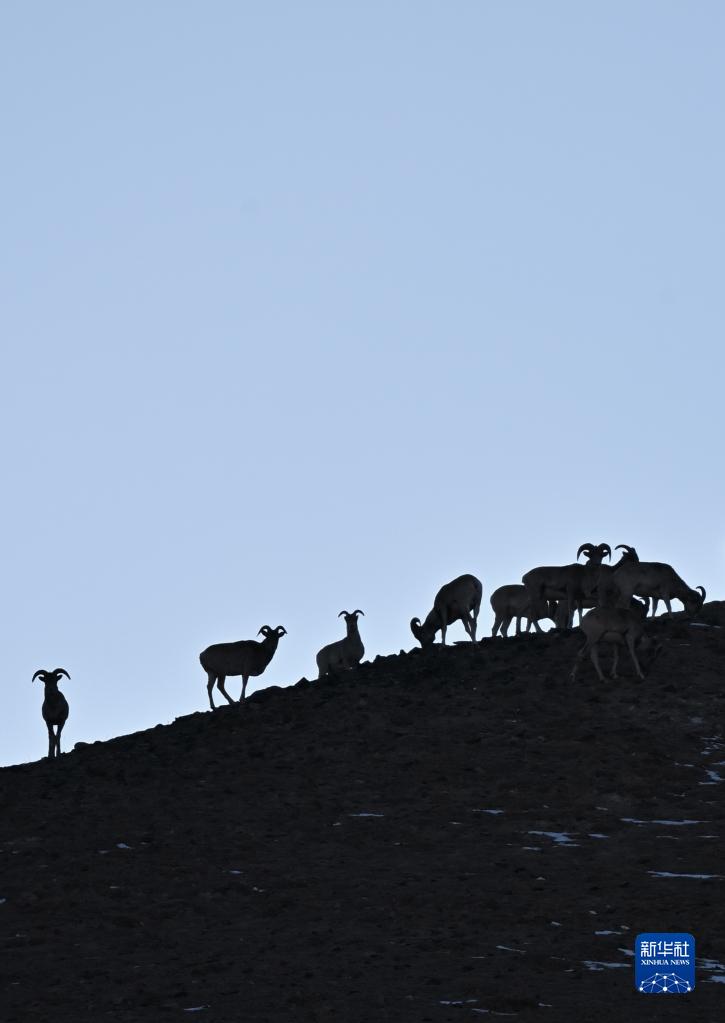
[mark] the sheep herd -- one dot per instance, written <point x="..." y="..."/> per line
<point x="617" y="598"/>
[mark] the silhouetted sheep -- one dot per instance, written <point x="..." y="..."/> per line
<point x="345" y="653"/>
<point x="457" y="600"/>
<point x="55" y="707"/>
<point x="247" y="657"/>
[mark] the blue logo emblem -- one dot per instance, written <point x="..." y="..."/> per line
<point x="664" y="963"/>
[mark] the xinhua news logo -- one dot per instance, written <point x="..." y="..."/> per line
<point x="664" y="964"/>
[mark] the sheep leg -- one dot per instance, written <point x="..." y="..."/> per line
<point x="57" y="738"/>
<point x="220" y="686"/>
<point x="209" y="687"/>
<point x="474" y="625"/>
<point x="245" y="679"/>
<point x="51" y="740"/>
<point x="443" y="633"/>
<point x="496" y="624"/>
<point x="595" y="661"/>
<point x="579" y="658"/>
<point x="633" y="655"/>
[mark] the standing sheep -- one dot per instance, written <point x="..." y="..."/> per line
<point x="247" y="657"/>
<point x="55" y="707"/>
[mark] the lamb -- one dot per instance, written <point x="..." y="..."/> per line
<point x="618" y="626"/>
<point x="345" y="653"/>
<point x="457" y="600"/>
<point x="247" y="657"/>
<point x="55" y="707"/>
<point x="514" y="601"/>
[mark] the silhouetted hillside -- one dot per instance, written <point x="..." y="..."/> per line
<point x="434" y="836"/>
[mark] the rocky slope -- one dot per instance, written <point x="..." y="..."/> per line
<point x="437" y="836"/>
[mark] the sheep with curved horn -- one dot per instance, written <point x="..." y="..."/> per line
<point x="344" y="653"/>
<point x="459" y="600"/>
<point x="570" y="585"/>
<point x="655" y="580"/>
<point x="247" y="657"/>
<point x="55" y="707"/>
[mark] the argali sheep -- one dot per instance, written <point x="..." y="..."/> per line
<point x="459" y="600"/>
<point x="344" y="653"/>
<point x="571" y="584"/>
<point x="513" y="601"/>
<point x="247" y="657"/>
<point x="618" y="626"/>
<point x="55" y="707"/>
<point x="657" y="581"/>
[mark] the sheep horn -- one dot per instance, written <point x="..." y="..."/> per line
<point x="606" y="550"/>
<point x="341" y="614"/>
<point x="704" y="592"/>
<point x="39" y="672"/>
<point x="415" y="627"/>
<point x="359" y="612"/>
<point x="61" y="671"/>
<point x="280" y="630"/>
<point x="585" y="548"/>
<point x="624" y="547"/>
<point x="265" y="630"/>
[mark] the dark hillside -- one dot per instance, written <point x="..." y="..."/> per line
<point x="330" y="853"/>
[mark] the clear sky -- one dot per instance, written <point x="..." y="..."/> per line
<point x="312" y="306"/>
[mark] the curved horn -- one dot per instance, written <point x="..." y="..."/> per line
<point x="280" y="630"/>
<point x="606" y="550"/>
<point x="359" y="612"/>
<point x="265" y="630"/>
<point x="704" y="592"/>
<point x="341" y="614"/>
<point x="415" y="627"/>
<point x="624" y="547"/>
<point x="61" y="671"/>
<point x="39" y="672"/>
<point x="584" y="549"/>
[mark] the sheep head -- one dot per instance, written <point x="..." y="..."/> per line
<point x="425" y="633"/>
<point x="630" y="554"/>
<point x="351" y="616"/>
<point x="266" y="631"/>
<point x="53" y="677"/>
<point x="595" y="553"/>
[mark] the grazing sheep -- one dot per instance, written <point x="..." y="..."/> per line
<point x="247" y="657"/>
<point x="618" y="626"/>
<point x="514" y="601"/>
<point x="55" y="707"/>
<point x="457" y="600"/>
<point x="658" y="581"/>
<point x="345" y="653"/>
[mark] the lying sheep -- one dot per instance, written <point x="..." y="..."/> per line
<point x="344" y="653"/>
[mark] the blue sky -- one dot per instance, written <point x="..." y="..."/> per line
<point x="316" y="306"/>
